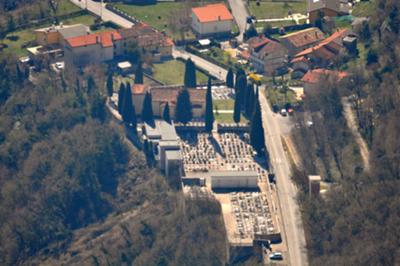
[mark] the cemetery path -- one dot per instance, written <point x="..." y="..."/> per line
<point x="287" y="191"/>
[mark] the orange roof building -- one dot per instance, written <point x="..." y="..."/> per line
<point x="298" y="41"/>
<point x="317" y="77"/>
<point x="212" y="19"/>
<point x="105" y="39"/>
<point x="325" y="51"/>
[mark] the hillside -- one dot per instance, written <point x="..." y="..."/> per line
<point x="75" y="191"/>
<point x="357" y="222"/>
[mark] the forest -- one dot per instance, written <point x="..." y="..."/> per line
<point x="72" y="185"/>
<point x="357" y="221"/>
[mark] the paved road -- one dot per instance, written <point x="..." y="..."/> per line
<point x="105" y="14"/>
<point x="239" y="11"/>
<point x="214" y="70"/>
<point x="294" y="232"/>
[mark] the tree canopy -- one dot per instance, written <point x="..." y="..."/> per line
<point x="183" y="108"/>
<point x="190" y="74"/>
<point x="209" y="115"/>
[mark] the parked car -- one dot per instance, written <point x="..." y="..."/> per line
<point x="276" y="256"/>
<point x="283" y="112"/>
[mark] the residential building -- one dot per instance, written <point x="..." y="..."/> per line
<point x="316" y="78"/>
<point x="149" y="39"/>
<point x="301" y="63"/>
<point x="266" y="55"/>
<point x="92" y="48"/>
<point x="56" y="35"/>
<point x="321" y="8"/>
<point x="162" y="95"/>
<point x="298" y="41"/>
<point x="323" y="53"/>
<point x="212" y="19"/>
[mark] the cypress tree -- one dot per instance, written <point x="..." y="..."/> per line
<point x="128" y="110"/>
<point x="239" y="72"/>
<point x="121" y="94"/>
<point x="236" y="110"/>
<point x="110" y="85"/>
<point x="190" y="74"/>
<point x="229" y="79"/>
<point x="249" y="99"/>
<point x="90" y="84"/>
<point x="240" y="88"/>
<point x="209" y="116"/>
<point x="147" y="109"/>
<point x="139" y="74"/>
<point x="257" y="131"/>
<point x="183" y="108"/>
<point x="166" y="115"/>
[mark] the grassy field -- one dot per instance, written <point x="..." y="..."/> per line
<point x="16" y="41"/>
<point x="228" y="118"/>
<point x="276" y="96"/>
<point x="157" y="16"/>
<point x="66" y="7"/>
<point x="364" y="9"/>
<point x="268" y="9"/>
<point x="171" y="72"/>
<point x="224" y="104"/>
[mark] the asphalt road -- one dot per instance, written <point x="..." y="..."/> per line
<point x="239" y="12"/>
<point x="294" y="232"/>
<point x="213" y="69"/>
<point x="105" y="14"/>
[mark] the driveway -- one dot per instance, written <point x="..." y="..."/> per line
<point x="105" y="14"/>
<point x="239" y="11"/>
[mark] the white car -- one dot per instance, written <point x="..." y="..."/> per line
<point x="283" y="112"/>
<point x="60" y="65"/>
<point x="276" y="256"/>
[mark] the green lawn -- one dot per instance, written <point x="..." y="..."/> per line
<point x="364" y="9"/>
<point x="66" y="7"/>
<point x="27" y="35"/>
<point x="23" y="37"/>
<point x="228" y="118"/>
<point x="158" y="15"/>
<point x="221" y="56"/>
<point x="276" y="96"/>
<point x="171" y="72"/>
<point x="268" y="9"/>
<point x="224" y="104"/>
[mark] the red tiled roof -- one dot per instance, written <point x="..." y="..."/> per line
<point x="212" y="12"/>
<point x="263" y="45"/>
<point x="300" y="59"/>
<point x="145" y="35"/>
<point x="328" y="48"/>
<point x="170" y="94"/>
<point x="106" y="39"/>
<point x="139" y="88"/>
<point x="304" y="37"/>
<point x="318" y="75"/>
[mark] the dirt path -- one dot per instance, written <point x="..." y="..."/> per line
<point x="352" y="124"/>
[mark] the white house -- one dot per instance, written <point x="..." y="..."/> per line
<point x="213" y="19"/>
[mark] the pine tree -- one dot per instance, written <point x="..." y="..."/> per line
<point x="209" y="116"/>
<point x="139" y="74"/>
<point x="229" y="79"/>
<point x="166" y="115"/>
<point x="183" y="108"/>
<point x="190" y="74"/>
<point x="147" y="109"/>
<point x="121" y="94"/>
<point x="239" y="72"/>
<point x="257" y="131"/>
<point x="110" y="85"/>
